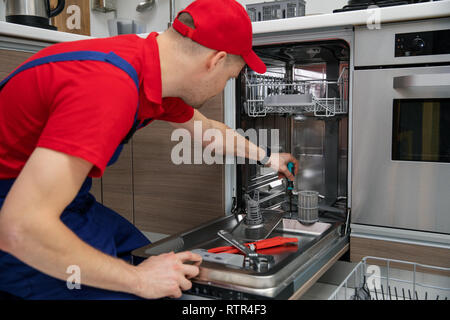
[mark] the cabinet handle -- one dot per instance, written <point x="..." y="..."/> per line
<point x="422" y="81"/>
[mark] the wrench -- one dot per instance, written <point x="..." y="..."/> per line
<point x="259" y="262"/>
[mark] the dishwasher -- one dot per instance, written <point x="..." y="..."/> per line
<point x="303" y="100"/>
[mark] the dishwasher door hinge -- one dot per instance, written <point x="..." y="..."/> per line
<point x="345" y="229"/>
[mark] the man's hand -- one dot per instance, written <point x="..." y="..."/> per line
<point x="167" y="275"/>
<point x="279" y="162"/>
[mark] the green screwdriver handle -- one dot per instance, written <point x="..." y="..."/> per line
<point x="291" y="166"/>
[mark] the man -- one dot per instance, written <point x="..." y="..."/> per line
<point x="63" y="118"/>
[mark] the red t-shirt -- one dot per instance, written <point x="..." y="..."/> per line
<point x="82" y="108"/>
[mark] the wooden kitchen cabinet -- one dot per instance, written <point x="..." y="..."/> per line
<point x="96" y="189"/>
<point x="117" y="184"/>
<point x="156" y="195"/>
<point x="171" y="198"/>
<point x="11" y="59"/>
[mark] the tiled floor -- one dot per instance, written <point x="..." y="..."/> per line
<point x="329" y="282"/>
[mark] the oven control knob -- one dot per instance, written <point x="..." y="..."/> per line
<point x="418" y="44"/>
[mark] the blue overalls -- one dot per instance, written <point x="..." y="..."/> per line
<point x="94" y="223"/>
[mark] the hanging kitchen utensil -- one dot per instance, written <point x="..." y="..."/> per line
<point x="145" y="6"/>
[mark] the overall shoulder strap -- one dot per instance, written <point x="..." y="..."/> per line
<point x="110" y="57"/>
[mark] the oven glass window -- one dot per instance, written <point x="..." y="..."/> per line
<point x="421" y="130"/>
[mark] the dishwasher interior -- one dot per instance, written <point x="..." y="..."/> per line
<point x="304" y="95"/>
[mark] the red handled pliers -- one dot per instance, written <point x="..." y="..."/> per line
<point x="257" y="245"/>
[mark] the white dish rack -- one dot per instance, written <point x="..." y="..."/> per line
<point x="369" y="281"/>
<point x="268" y="94"/>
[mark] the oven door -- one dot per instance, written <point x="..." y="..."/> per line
<point x="401" y="148"/>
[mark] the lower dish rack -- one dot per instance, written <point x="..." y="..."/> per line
<point x="379" y="280"/>
<point x="272" y="93"/>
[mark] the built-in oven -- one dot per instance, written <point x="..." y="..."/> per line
<point x="401" y="126"/>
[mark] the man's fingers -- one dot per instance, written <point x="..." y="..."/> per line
<point x="186" y="256"/>
<point x="190" y="271"/>
<point x="184" y="283"/>
<point x="288" y="174"/>
<point x="176" y="293"/>
<point x="295" y="166"/>
<point x="295" y="162"/>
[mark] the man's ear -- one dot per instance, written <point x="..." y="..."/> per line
<point x="215" y="58"/>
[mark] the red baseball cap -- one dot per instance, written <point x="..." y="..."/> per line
<point x="222" y="25"/>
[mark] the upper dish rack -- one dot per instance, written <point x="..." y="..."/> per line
<point x="267" y="94"/>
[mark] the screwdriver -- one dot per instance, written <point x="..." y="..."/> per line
<point x="290" y="185"/>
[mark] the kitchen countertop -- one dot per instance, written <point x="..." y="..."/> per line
<point x="389" y="14"/>
<point x="416" y="11"/>
<point x="32" y="33"/>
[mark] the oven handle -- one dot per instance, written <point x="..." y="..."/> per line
<point x="434" y="82"/>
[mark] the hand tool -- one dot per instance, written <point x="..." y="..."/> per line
<point x="257" y="245"/>
<point x="236" y="260"/>
<point x="284" y="249"/>
<point x="290" y="185"/>
<point x="256" y="261"/>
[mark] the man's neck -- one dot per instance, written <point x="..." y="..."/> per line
<point x="173" y="72"/>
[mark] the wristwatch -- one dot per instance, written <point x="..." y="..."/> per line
<point x="264" y="161"/>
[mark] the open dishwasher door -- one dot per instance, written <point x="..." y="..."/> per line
<point x="294" y="267"/>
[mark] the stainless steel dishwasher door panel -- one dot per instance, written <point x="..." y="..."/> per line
<point x="401" y="194"/>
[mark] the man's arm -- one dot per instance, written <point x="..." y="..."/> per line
<point x="31" y="230"/>
<point x="242" y="146"/>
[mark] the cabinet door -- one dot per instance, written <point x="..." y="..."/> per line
<point x="11" y="59"/>
<point x="117" y="185"/>
<point x="170" y="198"/>
<point x="96" y="189"/>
